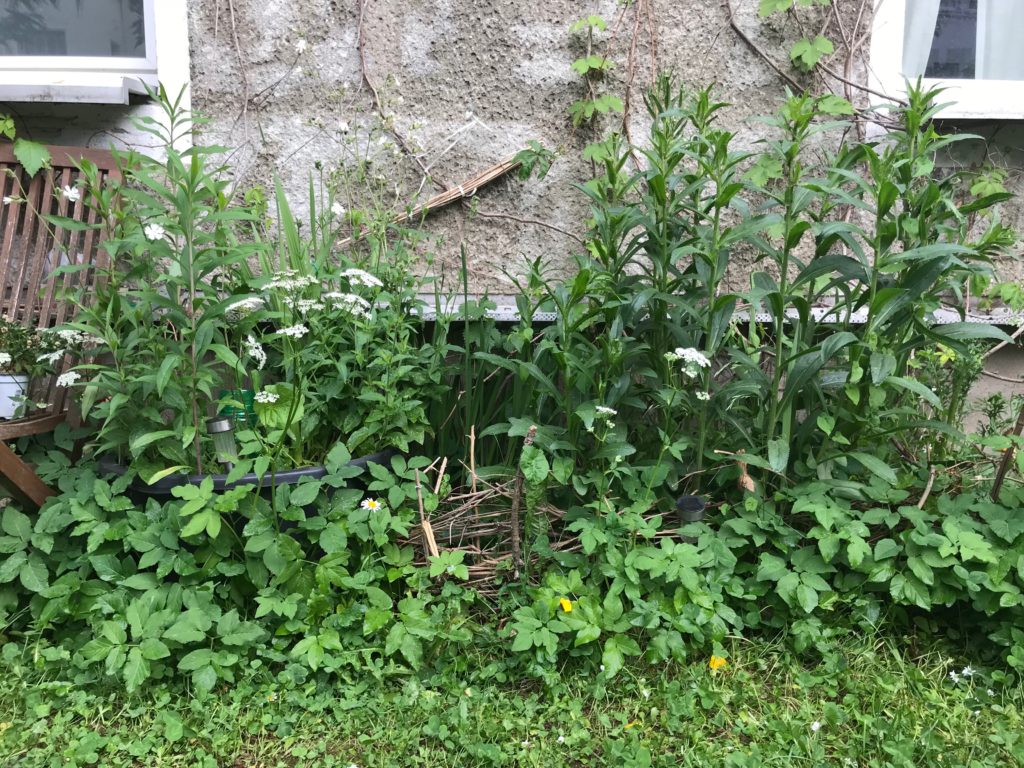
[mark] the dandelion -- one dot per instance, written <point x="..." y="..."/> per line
<point x="5" y="359"/>
<point x="968" y="671"/>
<point x="816" y="726"/>
<point x="300" y="46"/>
<point x="603" y="410"/>
<point x="703" y="396"/>
<point x="71" y="193"/>
<point x="154" y="232"/>
<point x="255" y="350"/>
<point x="362" y="277"/>
<point x="566" y="604"/>
<point x="337" y="209"/>
<point x="715" y="663"/>
<point x="68" y="379"/>
<point x="295" y="331"/>
<point x="371" y="505"/>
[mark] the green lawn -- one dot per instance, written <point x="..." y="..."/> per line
<point x="879" y="701"/>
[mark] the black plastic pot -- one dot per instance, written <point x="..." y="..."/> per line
<point x="162" y="487"/>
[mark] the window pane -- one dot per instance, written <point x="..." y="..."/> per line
<point x="72" y="28"/>
<point x="955" y="41"/>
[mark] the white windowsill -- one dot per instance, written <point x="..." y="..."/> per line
<point x="74" y="87"/>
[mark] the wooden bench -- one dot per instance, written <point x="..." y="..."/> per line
<point x="31" y="291"/>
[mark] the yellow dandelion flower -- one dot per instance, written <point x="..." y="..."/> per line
<point x="716" y="663"/>
<point x="566" y="605"/>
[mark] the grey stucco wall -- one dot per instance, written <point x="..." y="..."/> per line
<point x="467" y="85"/>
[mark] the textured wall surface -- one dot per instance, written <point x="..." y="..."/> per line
<point x="466" y="85"/>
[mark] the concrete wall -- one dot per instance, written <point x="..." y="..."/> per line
<point x="466" y="85"/>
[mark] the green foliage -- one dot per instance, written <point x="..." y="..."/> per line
<point x="806" y="53"/>
<point x="32" y="155"/>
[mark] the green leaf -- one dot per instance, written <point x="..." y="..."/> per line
<point x="11" y="566"/>
<point x="534" y="465"/>
<point x="34" y="575"/>
<point x="17" y="524"/>
<point x="875" y="466"/>
<point x="807" y="596"/>
<point x="195" y="660"/>
<point x="32" y="155"/>
<point x="333" y="539"/>
<point x="768" y="7"/>
<point x="305" y="493"/>
<point x="771" y="568"/>
<point x="153" y="649"/>
<point x="806" y="53"/>
<point x="778" y="455"/>
<point x="835" y="105"/>
<point x="612" y="658"/>
<point x="136" y="670"/>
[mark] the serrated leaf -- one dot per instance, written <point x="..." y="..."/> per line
<point x="806" y="53"/>
<point x="32" y="155"/>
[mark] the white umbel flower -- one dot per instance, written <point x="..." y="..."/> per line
<point x="68" y="379"/>
<point x="255" y="350"/>
<point x="703" y="396"/>
<point x="265" y="397"/>
<point x="50" y="358"/>
<point x="154" y="232"/>
<point x="295" y="331"/>
<point x="604" y="410"/>
<point x="362" y="277"/>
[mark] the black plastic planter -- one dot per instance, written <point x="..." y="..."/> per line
<point x="162" y="487"/>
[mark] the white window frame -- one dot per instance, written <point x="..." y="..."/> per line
<point x="106" y="79"/>
<point x="970" y="99"/>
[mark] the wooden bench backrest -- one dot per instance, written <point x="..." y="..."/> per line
<point x="31" y="249"/>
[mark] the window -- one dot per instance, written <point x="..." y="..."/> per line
<point x="88" y="50"/>
<point x="973" y="48"/>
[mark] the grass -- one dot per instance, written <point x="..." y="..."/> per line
<point x="876" y="703"/>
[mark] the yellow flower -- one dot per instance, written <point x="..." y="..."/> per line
<point x="566" y="605"/>
<point x="630" y="725"/>
<point x="716" y="663"/>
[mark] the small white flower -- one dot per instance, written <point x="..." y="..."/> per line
<point x="8" y="199"/>
<point x="290" y="280"/>
<point x="816" y="726"/>
<point x="702" y="396"/>
<point x="968" y="671"/>
<point x="602" y="667"/>
<point x="343" y="126"/>
<point x="5" y="359"/>
<point x="265" y="397"/>
<point x="990" y="692"/>
<point x="295" y="331"/>
<point x="645" y="693"/>
<point x="560" y="739"/>
<point x="954" y="677"/>
<point x="68" y="379"/>
<point x="524" y="743"/>
<point x="603" y="410"/>
<point x="71" y="193"/>
<point x="51" y="357"/>
<point x="372" y="505"/>
<point x="469" y="114"/>
<point x="154" y="232"/>
<point x="349" y="302"/>
<point x="337" y="209"/>
<point x="300" y="46"/>
<point x="692" y="356"/>
<point x="256" y="352"/>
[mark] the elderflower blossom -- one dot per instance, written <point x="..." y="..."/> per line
<point x="73" y="338"/>
<point x="255" y="350"/>
<point x="71" y="193"/>
<point x="362" y="277"/>
<point x="239" y="309"/>
<point x="154" y="232"/>
<point x="265" y="397"/>
<point x="295" y="331"/>
<point x="68" y="379"/>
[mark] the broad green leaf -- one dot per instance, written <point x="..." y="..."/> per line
<point x="32" y="155"/>
<point x="136" y="669"/>
<point x="34" y="574"/>
<point x="15" y="523"/>
<point x="875" y="466"/>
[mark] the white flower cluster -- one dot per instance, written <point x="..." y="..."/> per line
<point x="50" y="358"/>
<point x="5" y="359"/>
<point x="290" y="280"/>
<point x="76" y="338"/>
<point x="265" y="397"/>
<point x="362" y="277"/>
<point x="963" y="674"/>
<point x="295" y="331"/>
<point x="702" y="396"/>
<point x="693" y="360"/>
<point x="349" y="302"/>
<point x="68" y="379"/>
<point x="255" y="351"/>
<point x="604" y="410"/>
<point x="239" y="309"/>
<point x="304" y="306"/>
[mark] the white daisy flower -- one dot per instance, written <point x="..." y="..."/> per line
<point x="295" y="331"/>
<point x="154" y="232"/>
<point x="265" y="397"/>
<point x="370" y="504"/>
<point x="71" y="193"/>
<point x="68" y="379"/>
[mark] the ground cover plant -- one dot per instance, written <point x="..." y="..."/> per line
<point x="816" y="411"/>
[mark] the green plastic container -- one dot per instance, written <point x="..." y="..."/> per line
<point x="245" y="416"/>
